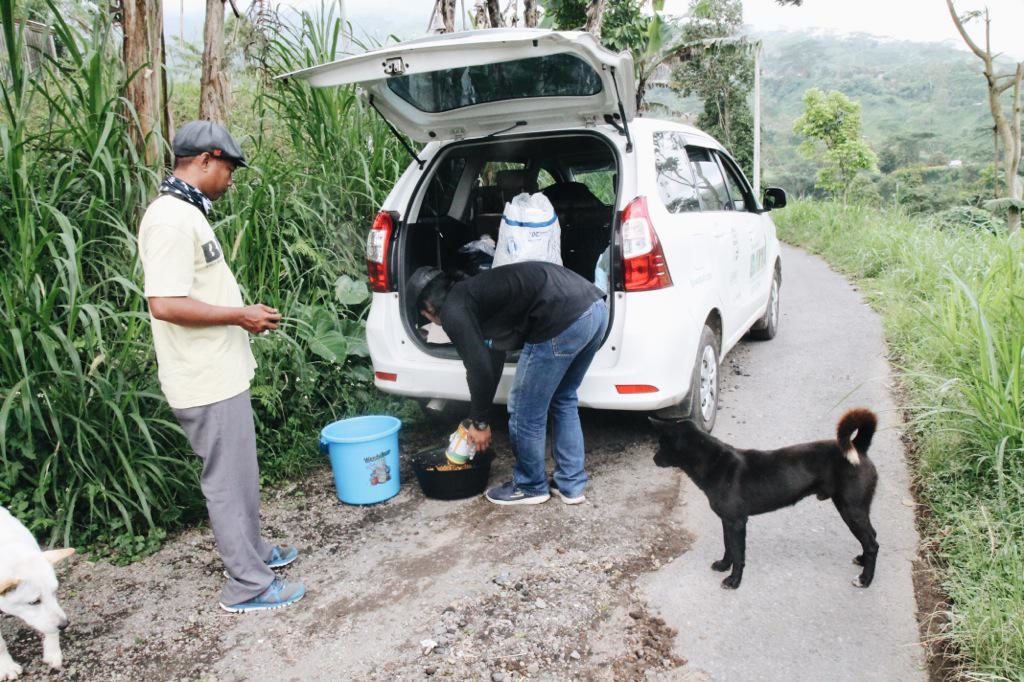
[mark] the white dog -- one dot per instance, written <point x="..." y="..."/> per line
<point x="28" y="590"/>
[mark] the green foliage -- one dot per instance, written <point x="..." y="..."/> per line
<point x="720" y="75"/>
<point x="89" y="452"/>
<point x="624" y="26"/>
<point x="954" y="314"/>
<point x="566" y="15"/>
<point x="86" y="443"/>
<point x="968" y="217"/>
<point x="900" y="151"/>
<point x="834" y="121"/>
<point x="928" y="92"/>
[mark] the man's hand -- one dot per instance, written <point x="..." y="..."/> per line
<point x="258" y="318"/>
<point x="480" y="438"/>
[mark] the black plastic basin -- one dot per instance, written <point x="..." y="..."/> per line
<point x="455" y="484"/>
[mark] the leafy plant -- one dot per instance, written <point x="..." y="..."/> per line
<point x="834" y="121"/>
<point x="719" y="71"/>
<point x="89" y="452"/>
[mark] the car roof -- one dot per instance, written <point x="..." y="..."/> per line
<point x="693" y="135"/>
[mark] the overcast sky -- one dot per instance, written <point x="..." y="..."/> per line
<point x="918" y="20"/>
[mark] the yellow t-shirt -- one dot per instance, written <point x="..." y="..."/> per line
<point x="181" y="257"/>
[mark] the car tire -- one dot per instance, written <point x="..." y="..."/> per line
<point x="767" y="327"/>
<point x="704" y="382"/>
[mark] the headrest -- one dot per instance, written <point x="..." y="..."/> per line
<point x="516" y="181"/>
<point x="563" y="193"/>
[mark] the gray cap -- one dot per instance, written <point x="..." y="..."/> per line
<point x="196" y="137"/>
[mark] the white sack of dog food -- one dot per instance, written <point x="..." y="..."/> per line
<point x="529" y="230"/>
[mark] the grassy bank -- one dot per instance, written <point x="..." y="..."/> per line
<point x="89" y="452"/>
<point x="953" y="306"/>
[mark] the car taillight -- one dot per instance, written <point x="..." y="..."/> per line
<point x="377" y="243"/>
<point x="644" y="265"/>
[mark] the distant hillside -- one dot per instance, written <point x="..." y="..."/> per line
<point x="904" y="88"/>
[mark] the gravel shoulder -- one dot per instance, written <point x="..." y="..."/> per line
<point x="546" y="592"/>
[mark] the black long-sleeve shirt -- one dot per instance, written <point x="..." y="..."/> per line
<point x="501" y="309"/>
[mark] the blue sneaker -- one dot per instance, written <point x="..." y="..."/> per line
<point x="510" y="493"/>
<point x="281" y="556"/>
<point x="278" y="595"/>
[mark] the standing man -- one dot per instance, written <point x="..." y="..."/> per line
<point x="559" y="320"/>
<point x="201" y="332"/>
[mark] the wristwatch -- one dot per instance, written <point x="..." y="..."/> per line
<point x="480" y="425"/>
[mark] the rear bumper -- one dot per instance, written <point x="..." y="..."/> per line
<point x="643" y="347"/>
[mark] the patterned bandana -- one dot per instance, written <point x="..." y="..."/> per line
<point x="177" y="187"/>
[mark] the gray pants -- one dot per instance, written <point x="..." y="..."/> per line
<point x="224" y="436"/>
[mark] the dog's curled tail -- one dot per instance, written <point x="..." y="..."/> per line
<point x="863" y="421"/>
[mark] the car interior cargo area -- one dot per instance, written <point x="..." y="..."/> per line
<point x="456" y="215"/>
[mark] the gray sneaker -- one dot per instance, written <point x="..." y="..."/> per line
<point x="278" y="595"/>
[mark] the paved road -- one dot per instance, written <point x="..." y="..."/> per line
<point x="796" y="616"/>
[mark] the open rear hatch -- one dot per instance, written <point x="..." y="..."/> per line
<point x="476" y="83"/>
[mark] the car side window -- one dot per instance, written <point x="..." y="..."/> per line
<point x="738" y="193"/>
<point x="675" y="179"/>
<point x="710" y="182"/>
<point x="600" y="181"/>
<point x="545" y="179"/>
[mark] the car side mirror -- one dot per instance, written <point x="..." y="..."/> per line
<point x="774" y="197"/>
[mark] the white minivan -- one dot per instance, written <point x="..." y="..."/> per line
<point x="655" y="213"/>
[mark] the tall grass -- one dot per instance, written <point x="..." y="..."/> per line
<point x="89" y="452"/>
<point x="85" y="442"/>
<point x="953" y="305"/>
<point x="297" y="224"/>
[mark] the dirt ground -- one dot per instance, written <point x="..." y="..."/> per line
<point x="409" y="589"/>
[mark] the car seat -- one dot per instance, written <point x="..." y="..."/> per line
<point x="586" y="225"/>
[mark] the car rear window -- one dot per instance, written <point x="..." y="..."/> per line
<point x="556" y="75"/>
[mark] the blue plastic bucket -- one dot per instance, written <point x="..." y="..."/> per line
<point x="364" y="457"/>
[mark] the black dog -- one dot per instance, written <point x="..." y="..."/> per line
<point x="742" y="483"/>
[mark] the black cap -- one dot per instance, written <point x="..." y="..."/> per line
<point x="196" y="137"/>
<point x="414" y="289"/>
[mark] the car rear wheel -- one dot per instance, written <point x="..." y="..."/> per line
<point x="704" y="383"/>
<point x="766" y="328"/>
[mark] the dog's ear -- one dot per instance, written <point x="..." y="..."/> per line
<point x="55" y="556"/>
<point x="7" y="584"/>
<point x="672" y="428"/>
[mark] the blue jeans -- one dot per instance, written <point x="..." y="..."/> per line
<point x="546" y="379"/>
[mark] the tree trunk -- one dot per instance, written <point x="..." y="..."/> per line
<point x="494" y="13"/>
<point x="1007" y="130"/>
<point x="530" y="15"/>
<point x="142" y="51"/>
<point x="1012" y="153"/>
<point x="213" y="93"/>
<point x="480" y="15"/>
<point x="448" y="15"/>
<point x="595" y="14"/>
